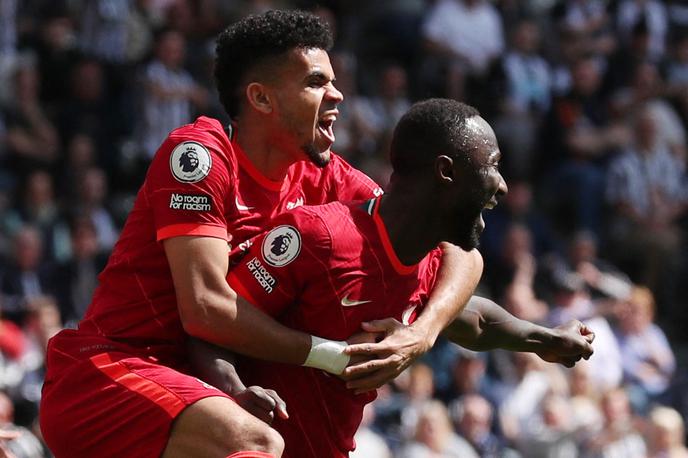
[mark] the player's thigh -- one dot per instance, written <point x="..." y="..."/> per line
<point x="217" y="427"/>
<point x="114" y="405"/>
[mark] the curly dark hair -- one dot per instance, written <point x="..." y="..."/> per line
<point x="430" y="128"/>
<point x="244" y="45"/>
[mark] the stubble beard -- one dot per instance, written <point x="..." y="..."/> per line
<point x="316" y="157"/>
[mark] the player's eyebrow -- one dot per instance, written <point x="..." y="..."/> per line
<point x="318" y="75"/>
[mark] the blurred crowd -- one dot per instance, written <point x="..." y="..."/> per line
<point x="589" y="100"/>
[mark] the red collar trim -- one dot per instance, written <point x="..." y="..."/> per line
<point x="401" y="268"/>
<point x="246" y="165"/>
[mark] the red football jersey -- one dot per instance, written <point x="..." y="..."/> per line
<point x="189" y="190"/>
<point x="324" y="270"/>
<point x="259" y="199"/>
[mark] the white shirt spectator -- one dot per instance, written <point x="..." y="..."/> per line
<point x="163" y="114"/>
<point x="634" y="177"/>
<point x="472" y="32"/>
<point x="654" y="12"/>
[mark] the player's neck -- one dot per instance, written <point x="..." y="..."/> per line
<point x="404" y="216"/>
<point x="271" y="161"/>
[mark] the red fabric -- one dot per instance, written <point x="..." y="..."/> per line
<point x="249" y="454"/>
<point x="259" y="199"/>
<point x="135" y="300"/>
<point x="342" y="260"/>
<point x="12" y="339"/>
<point x="111" y="404"/>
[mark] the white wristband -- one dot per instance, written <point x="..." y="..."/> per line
<point x="327" y="355"/>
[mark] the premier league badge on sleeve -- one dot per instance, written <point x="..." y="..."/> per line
<point x="190" y="162"/>
<point x="281" y="246"/>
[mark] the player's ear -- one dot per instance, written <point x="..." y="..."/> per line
<point x="259" y="98"/>
<point x="444" y="169"/>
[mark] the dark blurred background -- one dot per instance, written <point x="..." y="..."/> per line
<point x="589" y="100"/>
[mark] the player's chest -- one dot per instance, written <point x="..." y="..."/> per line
<point x="354" y="294"/>
<point x="253" y="207"/>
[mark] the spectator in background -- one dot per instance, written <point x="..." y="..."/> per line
<point x="27" y="276"/>
<point x="647" y="190"/>
<point x="525" y="82"/>
<point x="16" y="441"/>
<point x="469" y="377"/>
<point x="588" y="18"/>
<point x="667" y="434"/>
<point x="580" y="137"/>
<point x="677" y="76"/>
<point x="57" y="54"/>
<point x="78" y="276"/>
<point x="570" y="301"/>
<point x="552" y="433"/>
<point x="93" y="192"/>
<point x="13" y="347"/>
<point x="374" y="118"/>
<point x="32" y="140"/>
<point x="81" y="156"/>
<point x="435" y="437"/>
<point x="648" y="360"/>
<point x="619" y="436"/>
<point x="632" y="52"/>
<point x="585" y="395"/>
<point x="645" y="91"/>
<point x="653" y="12"/>
<point x="419" y="390"/>
<point x="104" y="30"/>
<point x="462" y="37"/>
<point x="39" y="208"/>
<point x="517" y="207"/>
<point x="473" y="416"/>
<point x="368" y="442"/>
<point x="604" y="280"/>
<point x="169" y="92"/>
<point x="90" y="109"/>
<point x="533" y="381"/>
<point x="515" y="256"/>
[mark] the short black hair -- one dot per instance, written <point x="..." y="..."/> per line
<point x="430" y="128"/>
<point x="252" y="40"/>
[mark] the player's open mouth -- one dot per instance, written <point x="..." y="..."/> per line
<point x="492" y="203"/>
<point x="325" y="127"/>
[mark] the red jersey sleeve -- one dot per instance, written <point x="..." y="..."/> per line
<point x="188" y="183"/>
<point x="427" y="276"/>
<point x="278" y="264"/>
<point x="350" y="184"/>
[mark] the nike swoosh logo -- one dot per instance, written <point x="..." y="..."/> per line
<point x="241" y="207"/>
<point x="346" y="302"/>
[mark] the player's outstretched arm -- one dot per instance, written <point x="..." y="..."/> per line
<point x="211" y="311"/>
<point x="457" y="278"/>
<point x="484" y="325"/>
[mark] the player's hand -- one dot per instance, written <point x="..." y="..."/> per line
<point x="386" y="359"/>
<point x="361" y="338"/>
<point x="261" y="403"/>
<point x="572" y="341"/>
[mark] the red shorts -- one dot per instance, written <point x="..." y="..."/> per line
<point x="113" y="404"/>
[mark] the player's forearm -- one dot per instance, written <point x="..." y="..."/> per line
<point x="233" y="323"/>
<point x="457" y="278"/>
<point x="484" y="325"/>
<point x="214" y="365"/>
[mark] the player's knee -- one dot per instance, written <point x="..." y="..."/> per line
<point x="273" y="442"/>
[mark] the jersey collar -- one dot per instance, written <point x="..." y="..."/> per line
<point x="373" y="208"/>
<point x="246" y="165"/>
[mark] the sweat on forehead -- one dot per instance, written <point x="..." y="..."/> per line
<point x="431" y="128"/>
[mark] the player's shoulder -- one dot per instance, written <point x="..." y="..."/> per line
<point x="350" y="182"/>
<point x="204" y="130"/>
